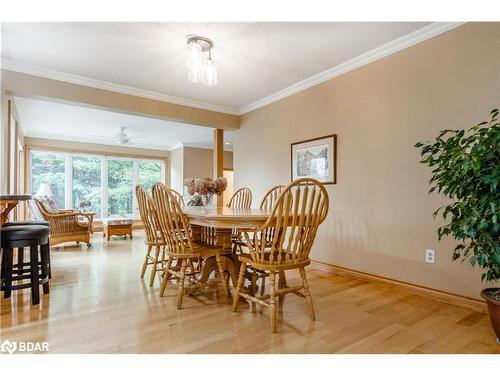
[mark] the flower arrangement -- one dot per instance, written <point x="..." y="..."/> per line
<point x="202" y="190"/>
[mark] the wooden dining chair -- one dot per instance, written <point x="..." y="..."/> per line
<point x="174" y="225"/>
<point x="154" y="237"/>
<point x="270" y="198"/>
<point x="267" y="203"/>
<point x="178" y="196"/>
<point x="295" y="218"/>
<point x="242" y="198"/>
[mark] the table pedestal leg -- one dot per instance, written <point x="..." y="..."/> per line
<point x="230" y="263"/>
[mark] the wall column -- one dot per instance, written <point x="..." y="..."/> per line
<point x="219" y="160"/>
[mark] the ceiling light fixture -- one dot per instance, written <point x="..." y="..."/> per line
<point x="201" y="67"/>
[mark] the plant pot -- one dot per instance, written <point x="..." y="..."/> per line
<point x="493" y="309"/>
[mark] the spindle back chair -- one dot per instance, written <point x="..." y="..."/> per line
<point x="270" y="198"/>
<point x="242" y="198"/>
<point x="299" y="210"/>
<point x="154" y="238"/>
<point x="175" y="227"/>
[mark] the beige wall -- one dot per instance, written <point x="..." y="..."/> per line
<point x="381" y="215"/>
<point x="193" y="162"/>
<point x="21" y="84"/>
<point x="198" y="162"/>
<point x="177" y="169"/>
<point x="3" y="141"/>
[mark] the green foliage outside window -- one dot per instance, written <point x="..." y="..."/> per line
<point x="120" y="174"/>
<point x="86" y="181"/>
<point x="149" y="173"/>
<point x="48" y="168"/>
<point x="87" y="184"/>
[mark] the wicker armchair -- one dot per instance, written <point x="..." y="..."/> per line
<point x="65" y="225"/>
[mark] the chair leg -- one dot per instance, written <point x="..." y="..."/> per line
<point x="145" y="265"/>
<point x="180" y="289"/>
<point x="222" y="274"/>
<point x="153" y="270"/>
<point x="7" y="272"/>
<point x="263" y="284"/>
<point x="35" y="289"/>
<point x="309" y="302"/>
<point x="49" y="265"/>
<point x="44" y="256"/>
<point x="20" y="260"/>
<point x="281" y="285"/>
<point x="272" y="300"/>
<point x="165" y="277"/>
<point x="253" y="289"/>
<point x="241" y="276"/>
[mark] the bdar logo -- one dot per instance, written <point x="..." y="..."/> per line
<point x="8" y="347"/>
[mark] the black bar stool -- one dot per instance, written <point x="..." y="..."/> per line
<point x="36" y="237"/>
<point x="20" y="253"/>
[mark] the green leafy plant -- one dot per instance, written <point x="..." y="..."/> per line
<point x="466" y="169"/>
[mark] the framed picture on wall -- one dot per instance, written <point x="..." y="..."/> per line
<point x="315" y="158"/>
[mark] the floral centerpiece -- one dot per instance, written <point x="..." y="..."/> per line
<point x="202" y="190"/>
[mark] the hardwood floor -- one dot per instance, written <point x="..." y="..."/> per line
<point x="98" y="304"/>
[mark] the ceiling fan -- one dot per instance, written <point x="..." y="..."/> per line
<point x="121" y="138"/>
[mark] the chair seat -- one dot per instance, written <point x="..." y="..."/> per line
<point x="284" y="265"/>
<point x="201" y="250"/>
<point x="23" y="232"/>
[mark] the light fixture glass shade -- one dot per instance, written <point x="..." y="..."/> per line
<point x="209" y="73"/>
<point x="194" y="62"/>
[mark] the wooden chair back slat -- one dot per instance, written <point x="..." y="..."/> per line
<point x="299" y="210"/>
<point x="242" y="198"/>
<point x="149" y="217"/>
<point x="177" y="195"/>
<point x="267" y="203"/>
<point x="174" y="225"/>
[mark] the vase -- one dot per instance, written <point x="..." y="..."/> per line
<point x="198" y="200"/>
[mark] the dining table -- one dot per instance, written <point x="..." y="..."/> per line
<point x="221" y="224"/>
<point x="8" y="203"/>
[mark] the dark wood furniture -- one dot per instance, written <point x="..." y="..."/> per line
<point x="36" y="270"/>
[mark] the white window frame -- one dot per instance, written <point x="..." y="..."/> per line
<point x="68" y="176"/>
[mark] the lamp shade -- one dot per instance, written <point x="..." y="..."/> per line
<point x="44" y="190"/>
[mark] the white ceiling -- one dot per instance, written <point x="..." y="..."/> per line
<point x="255" y="60"/>
<point x="76" y="123"/>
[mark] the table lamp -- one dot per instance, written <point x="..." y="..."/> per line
<point x="44" y="190"/>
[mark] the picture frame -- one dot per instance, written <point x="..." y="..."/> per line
<point x="315" y="158"/>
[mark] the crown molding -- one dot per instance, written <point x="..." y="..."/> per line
<point x="375" y="54"/>
<point x="110" y="86"/>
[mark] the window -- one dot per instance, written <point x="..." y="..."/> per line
<point x="86" y="186"/>
<point x="101" y="184"/>
<point x="149" y="173"/>
<point x="120" y="187"/>
<point x="49" y="169"/>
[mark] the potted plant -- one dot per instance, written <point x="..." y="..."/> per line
<point x="466" y="168"/>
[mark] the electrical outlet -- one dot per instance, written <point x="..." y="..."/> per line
<point x="430" y="256"/>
